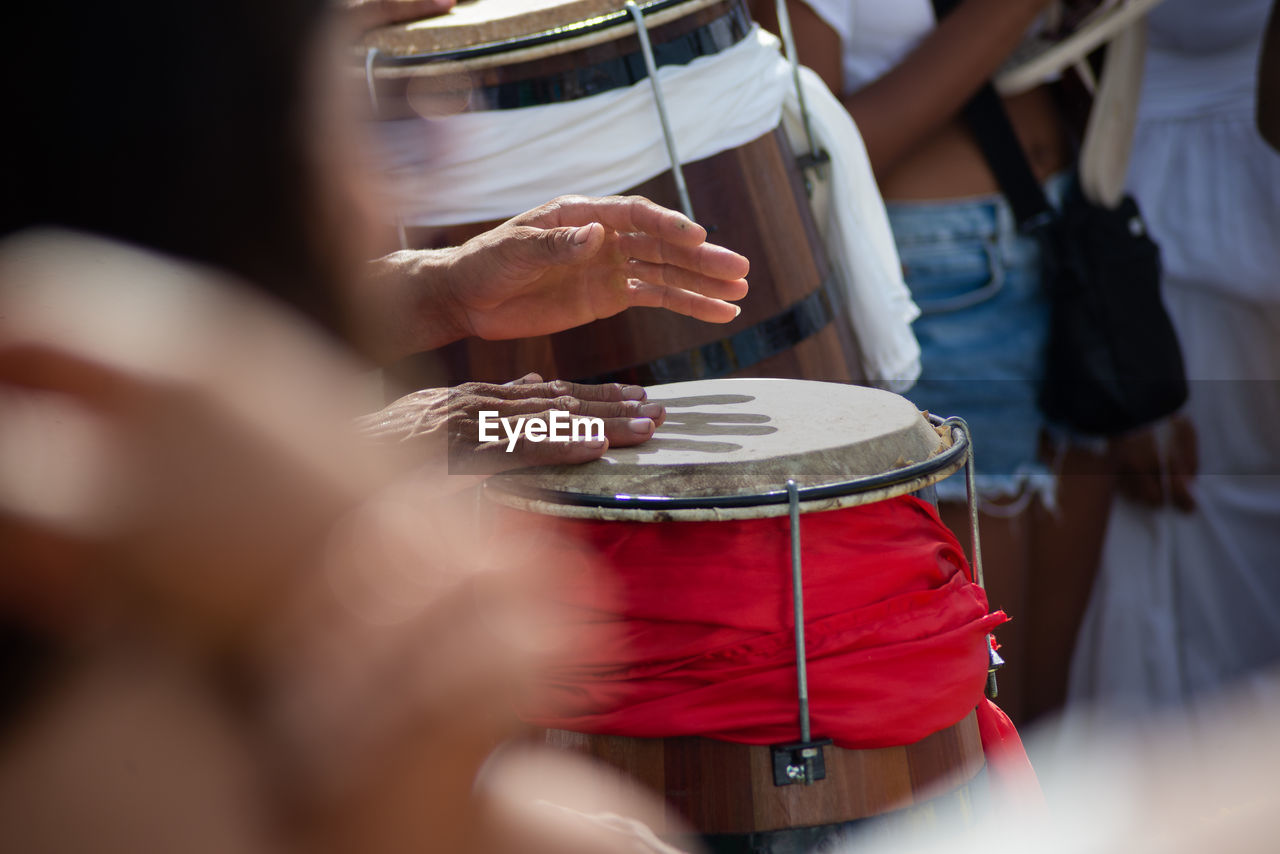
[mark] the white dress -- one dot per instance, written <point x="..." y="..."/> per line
<point x="1186" y="605"/>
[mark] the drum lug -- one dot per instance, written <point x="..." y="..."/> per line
<point x="813" y="160"/>
<point x="801" y="762"/>
<point x="995" y="663"/>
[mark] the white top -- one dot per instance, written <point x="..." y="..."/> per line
<point x="874" y="36"/>
<point x="1216" y="224"/>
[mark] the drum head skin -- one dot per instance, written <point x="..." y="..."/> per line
<point x="732" y="437"/>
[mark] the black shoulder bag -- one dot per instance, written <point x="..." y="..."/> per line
<point x="1113" y="361"/>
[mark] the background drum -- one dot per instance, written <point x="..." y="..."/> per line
<point x="751" y="198"/>
<point x="713" y="478"/>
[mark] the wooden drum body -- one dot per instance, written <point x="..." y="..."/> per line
<point x="701" y="725"/>
<point x="721" y="788"/>
<point x="750" y="197"/>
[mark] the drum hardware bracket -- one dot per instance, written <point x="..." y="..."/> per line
<point x="813" y="160"/>
<point x="996" y="662"/>
<point x="811" y="164"/>
<point x="651" y="66"/>
<point x="801" y="761"/>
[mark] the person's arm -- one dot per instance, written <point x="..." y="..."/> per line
<point x="566" y="263"/>
<point x="923" y="92"/>
<point x="1268" y="114"/>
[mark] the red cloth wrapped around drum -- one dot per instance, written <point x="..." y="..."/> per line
<point x="547" y="97"/>
<point x="692" y="654"/>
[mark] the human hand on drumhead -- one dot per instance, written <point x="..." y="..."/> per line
<point x="1156" y="465"/>
<point x="367" y="14"/>
<point x="578" y="259"/>
<point x="441" y="426"/>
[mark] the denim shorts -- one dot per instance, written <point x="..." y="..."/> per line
<point x="983" y="329"/>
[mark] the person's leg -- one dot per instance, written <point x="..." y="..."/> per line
<point x="1065" y="546"/>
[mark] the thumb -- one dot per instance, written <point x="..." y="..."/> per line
<point x="567" y="244"/>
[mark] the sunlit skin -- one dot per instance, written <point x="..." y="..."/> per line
<point x="568" y="262"/>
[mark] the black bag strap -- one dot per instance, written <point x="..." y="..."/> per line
<point x="991" y="128"/>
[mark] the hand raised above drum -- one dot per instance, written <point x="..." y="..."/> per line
<point x="566" y="263"/>
<point x="434" y="422"/>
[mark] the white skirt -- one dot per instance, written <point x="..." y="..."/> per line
<point x="1187" y="604"/>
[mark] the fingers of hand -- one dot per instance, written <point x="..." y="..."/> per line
<point x="561" y="388"/>
<point x="1139" y="468"/>
<point x="681" y="301"/>
<point x="490" y="434"/>
<point x="1146" y="488"/>
<point x="1157" y="466"/>
<point x="678" y="277"/>
<point x="1184" y="447"/>
<point x="620" y="213"/>
<point x="708" y="259"/>
<point x="619" y="431"/>
<point x="539" y="407"/>
<point x="625" y="432"/>
<point x="1184" y="463"/>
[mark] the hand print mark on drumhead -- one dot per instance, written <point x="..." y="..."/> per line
<point x="683" y="420"/>
<point x="717" y="424"/>
<point x="702" y="400"/>
<point x="712" y="423"/>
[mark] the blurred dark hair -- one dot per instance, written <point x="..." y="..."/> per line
<point x="173" y="125"/>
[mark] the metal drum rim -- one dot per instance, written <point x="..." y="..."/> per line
<point x="620" y="20"/>
<point x="849" y="493"/>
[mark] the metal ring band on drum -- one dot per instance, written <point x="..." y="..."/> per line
<point x="861" y="784"/>
<point x="813" y="499"/>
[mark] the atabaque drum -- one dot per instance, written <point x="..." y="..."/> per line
<point x="560" y="101"/>
<point x="758" y="506"/>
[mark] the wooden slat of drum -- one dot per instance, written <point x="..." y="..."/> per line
<point x="753" y="197"/>
<point x="720" y="787"/>
<point x="949" y="758"/>
<point x="643" y="759"/>
<point x="774" y="179"/>
<point x="708" y="782"/>
<point x="771" y="183"/>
